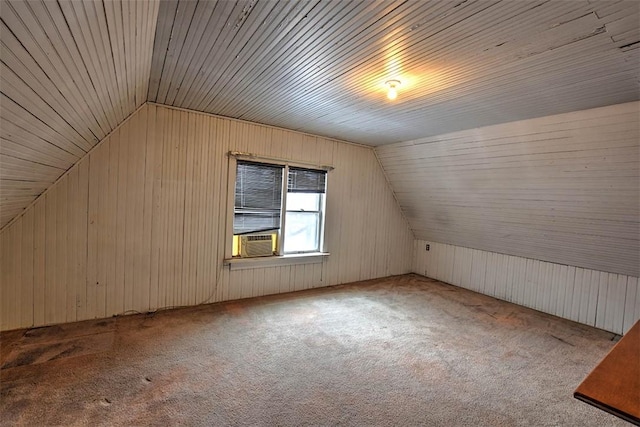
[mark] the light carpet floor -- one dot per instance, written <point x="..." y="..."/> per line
<point x="399" y="351"/>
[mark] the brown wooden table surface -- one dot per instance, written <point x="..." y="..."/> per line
<point x="614" y="385"/>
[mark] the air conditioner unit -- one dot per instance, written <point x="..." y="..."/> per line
<point x="256" y="245"/>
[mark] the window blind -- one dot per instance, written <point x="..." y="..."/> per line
<point x="306" y="180"/>
<point x="258" y="197"/>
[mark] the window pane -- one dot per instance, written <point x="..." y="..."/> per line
<point x="303" y="201"/>
<point x="258" y="197"/>
<point x="301" y="232"/>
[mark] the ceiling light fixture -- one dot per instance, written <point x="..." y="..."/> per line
<point x="392" y="92"/>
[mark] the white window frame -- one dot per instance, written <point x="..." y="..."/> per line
<point x="320" y="212"/>
<point x="281" y="258"/>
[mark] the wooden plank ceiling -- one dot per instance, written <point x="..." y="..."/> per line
<point x="320" y="66"/>
<point x="72" y="71"/>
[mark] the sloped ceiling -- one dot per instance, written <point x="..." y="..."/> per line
<point x="562" y="188"/>
<point x="72" y="71"/>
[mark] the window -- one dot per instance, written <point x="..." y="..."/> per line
<point x="304" y="202"/>
<point x="259" y="226"/>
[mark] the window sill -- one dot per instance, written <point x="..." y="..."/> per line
<point x="275" y="261"/>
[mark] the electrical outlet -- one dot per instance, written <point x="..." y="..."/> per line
<point x="427" y="247"/>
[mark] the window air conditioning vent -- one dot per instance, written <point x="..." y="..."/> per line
<point x="256" y="245"/>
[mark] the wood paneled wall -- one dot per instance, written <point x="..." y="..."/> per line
<point x="563" y="189"/>
<point x="139" y="223"/>
<point x="605" y="300"/>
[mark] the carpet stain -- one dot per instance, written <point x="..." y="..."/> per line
<point x="26" y="358"/>
<point x="44" y="331"/>
<point x="561" y="340"/>
<point x="73" y="350"/>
